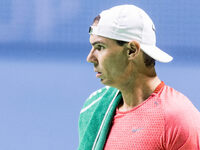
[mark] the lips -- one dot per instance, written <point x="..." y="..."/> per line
<point x="98" y="74"/>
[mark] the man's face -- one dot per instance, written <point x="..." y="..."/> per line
<point x="110" y="60"/>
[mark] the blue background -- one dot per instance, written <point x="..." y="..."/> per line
<point x="45" y="78"/>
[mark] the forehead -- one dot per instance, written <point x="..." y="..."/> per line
<point x="99" y="39"/>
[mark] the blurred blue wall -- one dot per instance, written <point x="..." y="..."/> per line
<point x="44" y="76"/>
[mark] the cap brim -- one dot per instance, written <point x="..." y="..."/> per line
<point x="156" y="53"/>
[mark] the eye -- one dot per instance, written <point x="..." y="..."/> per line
<point x="99" y="47"/>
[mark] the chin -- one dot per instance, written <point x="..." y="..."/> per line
<point x="103" y="81"/>
<point x="107" y="82"/>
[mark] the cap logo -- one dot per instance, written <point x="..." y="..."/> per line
<point x="90" y="30"/>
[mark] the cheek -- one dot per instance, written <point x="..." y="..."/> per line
<point x="105" y="64"/>
<point x="115" y="66"/>
<point x="119" y="62"/>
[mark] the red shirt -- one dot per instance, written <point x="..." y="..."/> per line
<point x="166" y="120"/>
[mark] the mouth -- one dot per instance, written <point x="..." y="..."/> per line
<point x="98" y="74"/>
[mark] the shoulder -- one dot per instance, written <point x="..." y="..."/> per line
<point x="174" y="103"/>
<point x="177" y="107"/>
<point x="182" y="119"/>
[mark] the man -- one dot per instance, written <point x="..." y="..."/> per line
<point x="136" y="110"/>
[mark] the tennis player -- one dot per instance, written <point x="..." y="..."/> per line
<point x="135" y="110"/>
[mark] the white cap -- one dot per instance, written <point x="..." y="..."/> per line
<point x="128" y="23"/>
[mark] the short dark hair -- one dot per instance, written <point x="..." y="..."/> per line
<point x="149" y="61"/>
<point x="121" y="43"/>
<point x="97" y="18"/>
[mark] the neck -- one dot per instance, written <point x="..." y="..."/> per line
<point x="137" y="91"/>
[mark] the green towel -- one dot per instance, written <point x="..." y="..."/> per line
<point x="101" y="105"/>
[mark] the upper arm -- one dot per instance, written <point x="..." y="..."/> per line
<point x="182" y="131"/>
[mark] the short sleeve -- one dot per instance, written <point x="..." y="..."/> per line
<point x="182" y="129"/>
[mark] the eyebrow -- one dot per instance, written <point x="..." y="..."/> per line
<point x="97" y="42"/>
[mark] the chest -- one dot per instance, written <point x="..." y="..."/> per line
<point x="140" y="129"/>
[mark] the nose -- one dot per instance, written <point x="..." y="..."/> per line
<point x="91" y="58"/>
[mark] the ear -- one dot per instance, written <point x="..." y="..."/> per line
<point x="133" y="49"/>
